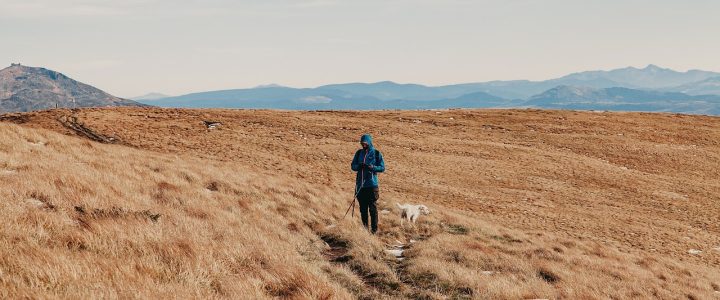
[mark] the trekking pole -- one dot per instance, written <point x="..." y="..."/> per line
<point x="362" y="182"/>
<point x="352" y="204"/>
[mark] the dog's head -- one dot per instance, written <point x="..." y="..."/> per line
<point x="424" y="210"/>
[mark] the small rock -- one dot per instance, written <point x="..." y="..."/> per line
<point x="623" y="168"/>
<point x="694" y="251"/>
<point x="35" y="202"/>
<point x="384" y="211"/>
<point x="716" y="248"/>
<point x="417" y="121"/>
<point x="412" y="241"/>
<point x="395" y="252"/>
<point x="331" y="226"/>
<point x="487" y="272"/>
<point x="7" y="172"/>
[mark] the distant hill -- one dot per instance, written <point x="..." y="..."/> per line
<point x="270" y="97"/>
<point x="480" y="100"/>
<point x="650" y="77"/>
<point x="703" y="87"/>
<point x="388" y="90"/>
<point x="24" y="88"/>
<point x="348" y="96"/>
<point x="150" y="96"/>
<point x="624" y="99"/>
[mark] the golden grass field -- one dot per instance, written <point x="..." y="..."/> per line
<point x="525" y="204"/>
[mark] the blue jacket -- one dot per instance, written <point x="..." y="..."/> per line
<point x="367" y="177"/>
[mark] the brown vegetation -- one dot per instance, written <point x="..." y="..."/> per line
<point x="526" y="204"/>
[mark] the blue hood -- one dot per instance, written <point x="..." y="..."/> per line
<point x="368" y="139"/>
<point x="367" y="177"/>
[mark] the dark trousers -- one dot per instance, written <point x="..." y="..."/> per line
<point x="368" y="198"/>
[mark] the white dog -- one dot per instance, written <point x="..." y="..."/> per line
<point x="411" y="212"/>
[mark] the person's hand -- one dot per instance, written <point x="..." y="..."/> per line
<point x="370" y="167"/>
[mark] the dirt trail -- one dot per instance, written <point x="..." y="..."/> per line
<point x="71" y="122"/>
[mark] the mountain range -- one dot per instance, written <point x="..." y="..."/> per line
<point x="24" y="88"/>
<point x="651" y="88"/>
<point x="648" y="89"/>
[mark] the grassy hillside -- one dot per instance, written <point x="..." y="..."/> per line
<point x="526" y="204"/>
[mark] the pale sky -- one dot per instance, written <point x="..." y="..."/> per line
<point x="132" y="47"/>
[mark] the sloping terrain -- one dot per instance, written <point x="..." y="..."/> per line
<point x="24" y="88"/>
<point x="525" y="204"/>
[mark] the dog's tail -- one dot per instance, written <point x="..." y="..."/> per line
<point x="400" y="206"/>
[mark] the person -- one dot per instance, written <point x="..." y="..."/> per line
<point x="367" y="162"/>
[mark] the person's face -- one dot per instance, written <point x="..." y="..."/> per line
<point x="364" y="145"/>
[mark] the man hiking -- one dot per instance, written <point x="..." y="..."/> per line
<point x="367" y="163"/>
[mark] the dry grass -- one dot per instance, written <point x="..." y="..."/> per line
<point x="80" y="219"/>
<point x="526" y="204"/>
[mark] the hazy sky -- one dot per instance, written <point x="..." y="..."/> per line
<point x="131" y="47"/>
